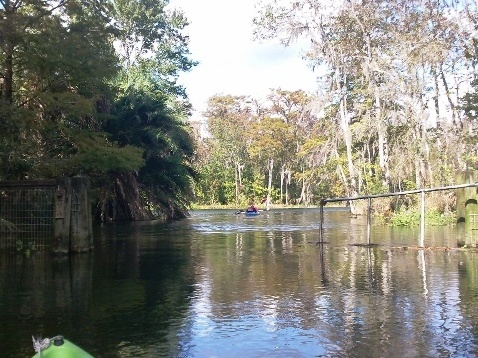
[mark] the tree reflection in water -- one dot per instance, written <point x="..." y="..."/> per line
<point x="221" y="285"/>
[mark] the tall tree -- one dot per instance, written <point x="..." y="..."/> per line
<point x="150" y="112"/>
<point x="162" y="186"/>
<point x="54" y="60"/>
<point x="151" y="46"/>
<point x="294" y="108"/>
<point x="72" y="91"/>
<point x="228" y="119"/>
<point x="270" y="140"/>
<point x="388" y="65"/>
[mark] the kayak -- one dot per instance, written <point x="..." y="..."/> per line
<point x="251" y="213"/>
<point x="58" y="347"/>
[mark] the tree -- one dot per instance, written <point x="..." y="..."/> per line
<point x="69" y="100"/>
<point x="152" y="49"/>
<point x="54" y="60"/>
<point x="271" y="138"/>
<point x="388" y="66"/>
<point x="228" y="119"/>
<point x="149" y="112"/>
<point x="295" y="109"/>
<point x="162" y="186"/>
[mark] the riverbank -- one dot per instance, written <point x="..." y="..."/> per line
<point x="260" y="206"/>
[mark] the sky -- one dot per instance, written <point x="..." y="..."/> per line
<point x="230" y="62"/>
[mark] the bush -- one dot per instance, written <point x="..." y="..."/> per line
<point x="411" y="217"/>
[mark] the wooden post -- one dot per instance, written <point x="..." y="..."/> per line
<point x="81" y="232"/>
<point x="467" y="207"/>
<point x="62" y="213"/>
<point x="73" y="229"/>
<point x="422" y="220"/>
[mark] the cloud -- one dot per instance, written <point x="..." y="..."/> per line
<point x="230" y="62"/>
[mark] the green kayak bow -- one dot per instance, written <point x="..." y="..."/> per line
<point x="58" y="347"/>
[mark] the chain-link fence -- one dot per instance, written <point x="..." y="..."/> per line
<point x="26" y="215"/>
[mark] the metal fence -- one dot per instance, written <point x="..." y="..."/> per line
<point x="369" y="206"/>
<point x="26" y="215"/>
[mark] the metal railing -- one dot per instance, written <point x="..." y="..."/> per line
<point x="369" y="206"/>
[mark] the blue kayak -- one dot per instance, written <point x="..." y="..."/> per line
<point x="251" y="213"/>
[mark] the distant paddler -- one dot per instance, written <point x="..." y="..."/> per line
<point x="250" y="210"/>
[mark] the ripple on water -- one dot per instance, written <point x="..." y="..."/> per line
<point x="156" y="291"/>
<point x="249" y="336"/>
<point x="224" y="228"/>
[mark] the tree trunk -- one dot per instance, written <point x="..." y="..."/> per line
<point x="238" y="180"/>
<point x="382" y="142"/>
<point x="123" y="202"/>
<point x="340" y="170"/>
<point x="287" y="186"/>
<point x="282" y="179"/>
<point x="269" y="185"/>
<point x="8" y="84"/>
<point x="447" y="92"/>
<point x="303" y="198"/>
<point x="347" y="136"/>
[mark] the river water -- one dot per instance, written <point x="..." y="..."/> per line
<point x="224" y="285"/>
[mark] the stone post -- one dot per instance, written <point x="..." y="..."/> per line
<point x="467" y="208"/>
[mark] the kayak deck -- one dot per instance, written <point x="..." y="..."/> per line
<point x="62" y="348"/>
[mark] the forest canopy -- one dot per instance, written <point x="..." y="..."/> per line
<point x="395" y="107"/>
<point x="90" y="88"/>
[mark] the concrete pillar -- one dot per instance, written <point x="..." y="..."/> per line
<point x="467" y="208"/>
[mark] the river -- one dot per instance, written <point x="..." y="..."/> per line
<point x="224" y="285"/>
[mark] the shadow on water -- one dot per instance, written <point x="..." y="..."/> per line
<point x="38" y="293"/>
<point x="110" y="300"/>
<point x="223" y="285"/>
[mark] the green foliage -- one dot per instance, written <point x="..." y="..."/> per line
<point x="53" y="70"/>
<point x="406" y="218"/>
<point x="153" y="49"/>
<point x="411" y="217"/>
<point x="70" y="104"/>
<point x="17" y="147"/>
<point x="270" y="138"/>
<point x="95" y="153"/>
<point x="254" y="188"/>
<point x="372" y="179"/>
<point x="247" y="139"/>
<point x="144" y="120"/>
<point x="89" y="152"/>
<point x="216" y="183"/>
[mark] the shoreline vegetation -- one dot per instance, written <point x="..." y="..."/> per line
<point x="464" y="248"/>
<point x="260" y="206"/>
<point x="408" y="217"/>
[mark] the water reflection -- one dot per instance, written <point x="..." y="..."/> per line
<point x="221" y="285"/>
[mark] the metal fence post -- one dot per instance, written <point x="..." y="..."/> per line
<point x="321" y="221"/>
<point x="422" y="220"/>
<point x="369" y="212"/>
